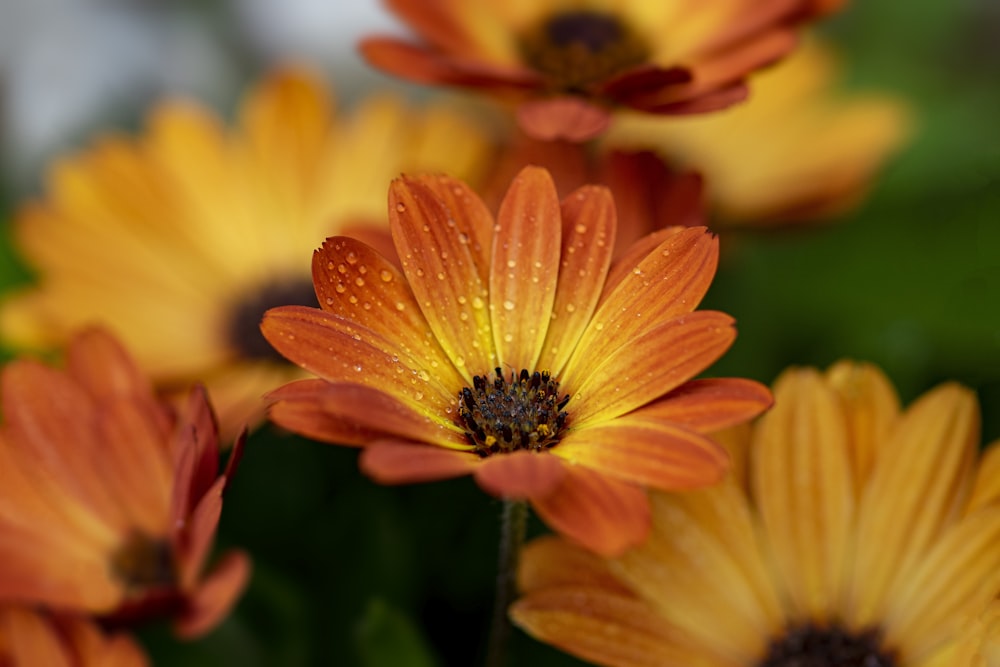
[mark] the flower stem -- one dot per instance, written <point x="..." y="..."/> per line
<point x="513" y="523"/>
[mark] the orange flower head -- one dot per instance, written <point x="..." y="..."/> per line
<point x="513" y="349"/>
<point x="31" y="639"/>
<point x="109" y="502"/>
<point x="179" y="239"/>
<point x="856" y="534"/>
<point x="568" y="64"/>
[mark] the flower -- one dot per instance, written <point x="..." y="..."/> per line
<point x="509" y="350"/>
<point x="857" y="534"/>
<point x="108" y="502"/>
<point x="179" y="240"/>
<point x="567" y="64"/>
<point x="798" y="150"/>
<point x="30" y="639"/>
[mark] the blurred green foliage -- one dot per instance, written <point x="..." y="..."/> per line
<point x="351" y="573"/>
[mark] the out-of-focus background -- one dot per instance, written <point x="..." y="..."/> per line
<point x="350" y="573"/>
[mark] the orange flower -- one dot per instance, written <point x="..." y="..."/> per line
<point x="860" y="535"/>
<point x="568" y="63"/>
<point x="180" y="239"/>
<point x="509" y="350"/>
<point x="752" y="155"/>
<point x="31" y="639"/>
<point x="108" y="503"/>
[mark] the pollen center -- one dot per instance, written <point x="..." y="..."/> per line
<point x="578" y="48"/>
<point x="143" y="562"/>
<point x="831" y="646"/>
<point x="524" y="412"/>
<point x="243" y="325"/>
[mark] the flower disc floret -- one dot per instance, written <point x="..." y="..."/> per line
<point x="525" y="412"/>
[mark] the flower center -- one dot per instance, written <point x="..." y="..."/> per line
<point x="143" y="562"/>
<point x="243" y="326"/>
<point x="525" y="412"/>
<point x="581" y="47"/>
<point x="832" y="646"/>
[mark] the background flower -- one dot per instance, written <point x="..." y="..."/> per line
<point x="181" y="239"/>
<point x="853" y="540"/>
<point x="109" y="504"/>
<point x="29" y="638"/>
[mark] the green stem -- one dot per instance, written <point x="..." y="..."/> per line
<point x="513" y="523"/>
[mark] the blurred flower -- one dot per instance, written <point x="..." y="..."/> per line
<point x="180" y="240"/>
<point x="568" y="63"/>
<point x="860" y="538"/>
<point x="109" y="503"/>
<point x="797" y="150"/>
<point x="648" y="194"/>
<point x="31" y="639"/>
<point x="509" y="350"/>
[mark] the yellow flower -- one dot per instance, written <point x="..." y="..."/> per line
<point x="109" y="502"/>
<point x="798" y="149"/>
<point x="32" y="639"/>
<point x="179" y="240"/>
<point x="567" y="64"/>
<point x="863" y="535"/>
<point x="511" y="349"/>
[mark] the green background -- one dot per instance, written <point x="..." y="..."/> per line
<point x="351" y="573"/>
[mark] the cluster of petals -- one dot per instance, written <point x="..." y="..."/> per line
<point x="29" y="638"/>
<point x="534" y="289"/>
<point x="109" y="501"/>
<point x="843" y="513"/>
<point x="567" y="65"/>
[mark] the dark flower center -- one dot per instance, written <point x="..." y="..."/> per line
<point x="525" y="412"/>
<point x="143" y="562"/>
<point x="243" y="328"/>
<point x="830" y="646"/>
<point x="581" y="47"/>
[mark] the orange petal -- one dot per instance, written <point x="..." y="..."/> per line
<point x="525" y="268"/>
<point x="340" y="351"/>
<point x="441" y="265"/>
<point x="602" y="514"/>
<point x="29" y="640"/>
<point x="914" y="494"/>
<point x="196" y="453"/>
<point x="710" y="405"/>
<point x="520" y="475"/>
<point x="669" y="281"/>
<point x="629" y="257"/>
<point x="93" y="648"/>
<point x="648" y="452"/>
<point x="216" y="595"/>
<point x="804" y="489"/>
<point x="551" y="562"/>
<point x="647" y="367"/>
<point x="566" y="118"/>
<point x="309" y="418"/>
<point x="588" y="238"/>
<point x="600" y="626"/>
<point x="986" y="490"/>
<point x="399" y="462"/>
<point x="356" y="283"/>
<point x="195" y="534"/>
<point x="100" y="364"/>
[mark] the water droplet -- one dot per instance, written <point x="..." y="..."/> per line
<point x="508" y="337"/>
<point x="570" y="307"/>
<point x="462" y="299"/>
<point x="352" y="257"/>
<point x="637" y="271"/>
<point x="329" y="266"/>
<point x="419" y="395"/>
<point x="362" y="269"/>
<point x="329" y="300"/>
<point x="385" y="275"/>
<point x="464" y="316"/>
<point x="357" y="367"/>
<point x="477" y="302"/>
<point x="341" y="268"/>
<point x="426" y="228"/>
<point x="599" y="326"/>
<point x="463" y="238"/>
<point x="459" y="361"/>
<point x="420" y="272"/>
<point x="508" y="305"/>
<point x="367" y="305"/>
<point x="511" y="263"/>
<point x="359" y="281"/>
<point x="441" y="275"/>
<point x="340" y="288"/>
<point x="352" y="299"/>
<point x="423" y="375"/>
<point x="400" y="305"/>
<point x="400" y="207"/>
<point x="580" y="229"/>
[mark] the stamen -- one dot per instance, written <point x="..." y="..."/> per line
<point x="582" y="47"/>
<point x="525" y="412"/>
<point x="243" y="327"/>
<point x="831" y="646"/>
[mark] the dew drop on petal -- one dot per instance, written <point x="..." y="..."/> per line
<point x="477" y="302"/>
<point x="423" y="375"/>
<point x="580" y="229"/>
<point x="508" y="337"/>
<point x="340" y="288"/>
<point x="352" y="299"/>
<point x="400" y="305"/>
<point x="359" y="281"/>
<point x="508" y="305"/>
<point x="441" y="275"/>
<point x="329" y="266"/>
<point x="386" y="275"/>
<point x="400" y="207"/>
<point x="329" y="300"/>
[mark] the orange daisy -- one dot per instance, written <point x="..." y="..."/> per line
<point x="856" y="534"/>
<point x="108" y="501"/>
<point x="513" y="350"/>
<point x="31" y="639"/>
<point x="567" y="64"/>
